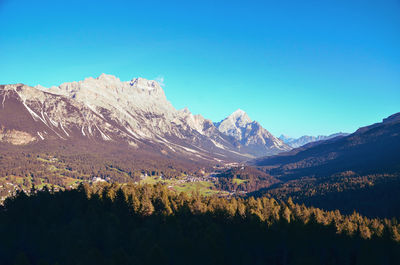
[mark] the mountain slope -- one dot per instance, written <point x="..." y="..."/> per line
<point x="133" y="115"/>
<point x="370" y="149"/>
<point x="252" y="137"/>
<point x="303" y="140"/>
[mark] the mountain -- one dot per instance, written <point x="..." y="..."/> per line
<point x="253" y="138"/>
<point x="297" y="142"/>
<point x="133" y="115"/>
<point x="371" y="149"/>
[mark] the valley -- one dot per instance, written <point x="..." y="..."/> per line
<point x="48" y="132"/>
<point x="199" y="132"/>
<point x="108" y="142"/>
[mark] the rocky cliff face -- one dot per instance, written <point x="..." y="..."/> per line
<point x="134" y="113"/>
<point x="251" y="135"/>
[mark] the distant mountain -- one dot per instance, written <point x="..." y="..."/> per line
<point x="370" y="149"/>
<point x="133" y="115"/>
<point x="297" y="142"/>
<point x="253" y="138"/>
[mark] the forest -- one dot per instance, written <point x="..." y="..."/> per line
<point x="244" y="178"/>
<point x="373" y="195"/>
<point x="62" y="168"/>
<point x="150" y="224"/>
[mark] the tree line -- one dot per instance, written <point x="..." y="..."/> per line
<point x="373" y="195"/>
<point x="143" y="224"/>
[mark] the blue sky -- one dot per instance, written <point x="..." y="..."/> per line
<point x="297" y="67"/>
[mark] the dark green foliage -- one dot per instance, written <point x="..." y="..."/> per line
<point x="375" y="195"/>
<point x="244" y="178"/>
<point x="151" y="225"/>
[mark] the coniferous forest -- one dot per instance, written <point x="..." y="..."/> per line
<point x="145" y="224"/>
<point x="199" y="132"/>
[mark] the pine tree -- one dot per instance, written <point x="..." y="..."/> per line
<point x="21" y="259"/>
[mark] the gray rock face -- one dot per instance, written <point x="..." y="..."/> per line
<point x="250" y="134"/>
<point x="134" y="113"/>
<point x="303" y="140"/>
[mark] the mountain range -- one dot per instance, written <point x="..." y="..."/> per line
<point x="134" y="115"/>
<point x="104" y="128"/>
<point x="305" y="139"/>
<point x="371" y="149"/>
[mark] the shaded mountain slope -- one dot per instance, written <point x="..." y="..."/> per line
<point x="370" y="149"/>
<point x="303" y="140"/>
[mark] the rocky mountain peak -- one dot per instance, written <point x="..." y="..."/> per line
<point x="145" y="84"/>
<point x="135" y="112"/>
<point x="305" y="139"/>
<point x="240" y="118"/>
<point x="185" y="110"/>
<point x="234" y="124"/>
<point x="250" y="133"/>
<point x="106" y="77"/>
<point x="284" y="137"/>
<point x="107" y="84"/>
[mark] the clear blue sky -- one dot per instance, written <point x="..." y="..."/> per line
<point x="298" y="67"/>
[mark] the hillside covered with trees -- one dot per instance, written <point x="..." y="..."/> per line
<point x="144" y="224"/>
<point x="373" y="195"/>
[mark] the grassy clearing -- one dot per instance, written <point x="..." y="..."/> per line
<point x="19" y="180"/>
<point x="53" y="168"/>
<point x="71" y="182"/>
<point x="203" y="187"/>
<point x="25" y="183"/>
<point x="44" y="160"/>
<point x="150" y="180"/>
<point x="118" y="171"/>
<point x="239" y="181"/>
